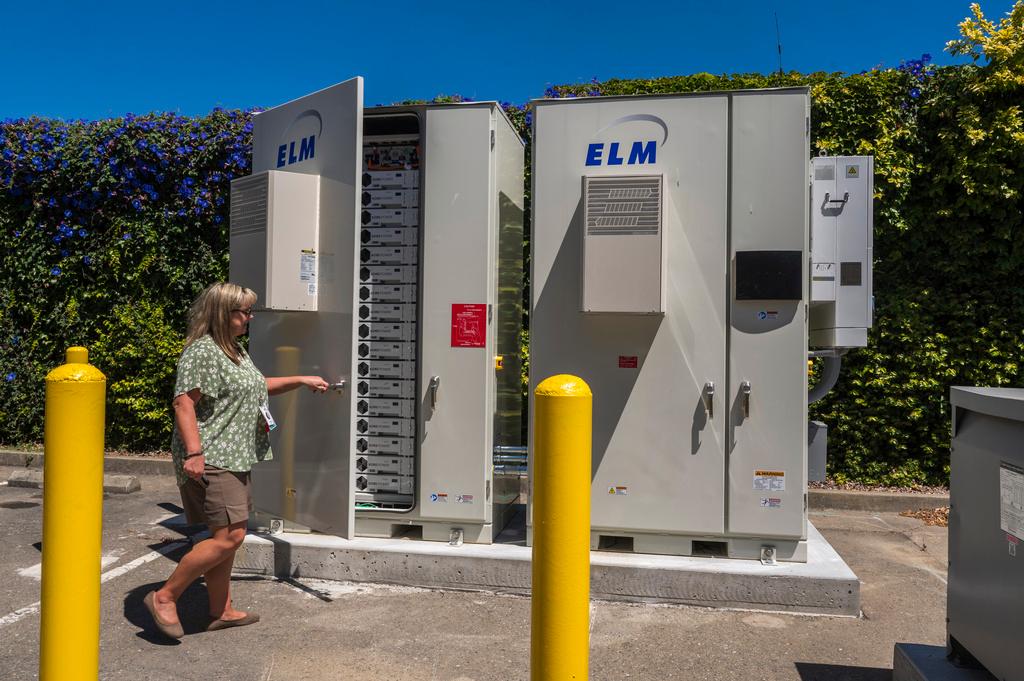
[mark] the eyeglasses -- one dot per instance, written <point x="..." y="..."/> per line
<point x="247" y="311"/>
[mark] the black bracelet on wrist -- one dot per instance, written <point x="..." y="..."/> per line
<point x="199" y="453"/>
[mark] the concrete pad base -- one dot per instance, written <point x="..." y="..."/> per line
<point x="916" y="662"/>
<point x="824" y="585"/>
<point x="112" y="484"/>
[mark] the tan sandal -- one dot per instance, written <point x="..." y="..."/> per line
<point x="168" y="629"/>
<point x="216" y="624"/>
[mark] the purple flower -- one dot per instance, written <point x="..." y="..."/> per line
<point x="87" y="259"/>
<point x="126" y="236"/>
<point x="915" y="93"/>
<point x="82" y="233"/>
<point x="10" y="376"/>
<point x="136" y="204"/>
<point x="55" y="271"/>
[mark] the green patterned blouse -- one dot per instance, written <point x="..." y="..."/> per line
<point x="232" y="430"/>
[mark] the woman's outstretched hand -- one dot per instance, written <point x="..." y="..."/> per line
<point x="315" y="383"/>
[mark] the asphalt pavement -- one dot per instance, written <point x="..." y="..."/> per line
<point x="314" y="630"/>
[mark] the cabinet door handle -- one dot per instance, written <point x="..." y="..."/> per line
<point x="435" y="383"/>
<point x="339" y="386"/>
<point x="709" y="399"/>
<point x="745" y="397"/>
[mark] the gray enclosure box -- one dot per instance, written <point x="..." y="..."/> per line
<point x="817" y="451"/>
<point x="985" y="596"/>
<point x="700" y="397"/>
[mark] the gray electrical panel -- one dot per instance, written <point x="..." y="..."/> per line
<point x="985" y="595"/>
<point x="701" y="232"/>
<point x="416" y="323"/>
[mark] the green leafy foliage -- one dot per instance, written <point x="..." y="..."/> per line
<point x="109" y="229"/>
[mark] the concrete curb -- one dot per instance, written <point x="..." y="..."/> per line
<point x="879" y="502"/>
<point x="112" y="484"/>
<point x="124" y="465"/>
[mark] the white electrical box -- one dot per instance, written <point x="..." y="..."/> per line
<point x="842" y="224"/>
<point x="419" y="293"/>
<point x="274" y="238"/>
<point x="700" y="401"/>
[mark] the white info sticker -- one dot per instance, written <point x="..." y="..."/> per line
<point x="307" y="266"/>
<point x="769" y="481"/>
<point x="1011" y="500"/>
<point x="267" y="417"/>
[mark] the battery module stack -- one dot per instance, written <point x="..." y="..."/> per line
<point x="387" y="314"/>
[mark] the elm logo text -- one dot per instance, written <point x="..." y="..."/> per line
<point x="286" y="154"/>
<point x="642" y="151"/>
<point x="300" y="139"/>
<point x="639" y="154"/>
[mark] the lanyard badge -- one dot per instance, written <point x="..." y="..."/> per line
<point x="267" y="418"/>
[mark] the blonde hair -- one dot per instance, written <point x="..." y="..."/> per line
<point x="211" y="314"/>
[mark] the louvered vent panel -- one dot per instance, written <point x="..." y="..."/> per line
<point x="623" y="205"/>
<point x="249" y="204"/>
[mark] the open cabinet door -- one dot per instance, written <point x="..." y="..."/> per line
<point x="309" y="480"/>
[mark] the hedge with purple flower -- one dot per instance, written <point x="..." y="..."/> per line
<point x="109" y="229"/>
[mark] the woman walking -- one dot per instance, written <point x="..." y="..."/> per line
<point x="221" y="421"/>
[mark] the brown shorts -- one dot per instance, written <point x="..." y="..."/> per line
<point x="226" y="501"/>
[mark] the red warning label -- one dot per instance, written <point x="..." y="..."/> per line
<point x="469" y="325"/>
<point x="628" y="362"/>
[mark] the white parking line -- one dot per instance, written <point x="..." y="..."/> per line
<point x="149" y="557"/>
<point x="36" y="571"/>
<point x="19" y="614"/>
<point x="22" y="613"/>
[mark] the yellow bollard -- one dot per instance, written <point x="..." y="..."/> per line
<point x="560" y="602"/>
<point x="69" y="633"/>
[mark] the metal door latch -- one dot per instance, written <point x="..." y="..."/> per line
<point x="339" y="386"/>
<point x="745" y="397"/>
<point x="435" y="383"/>
<point x="768" y="556"/>
<point x="709" y="399"/>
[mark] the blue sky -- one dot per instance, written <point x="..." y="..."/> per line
<point x="99" y="59"/>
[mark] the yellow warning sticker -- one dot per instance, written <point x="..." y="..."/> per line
<point x="769" y="481"/>
<point x="853" y="171"/>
